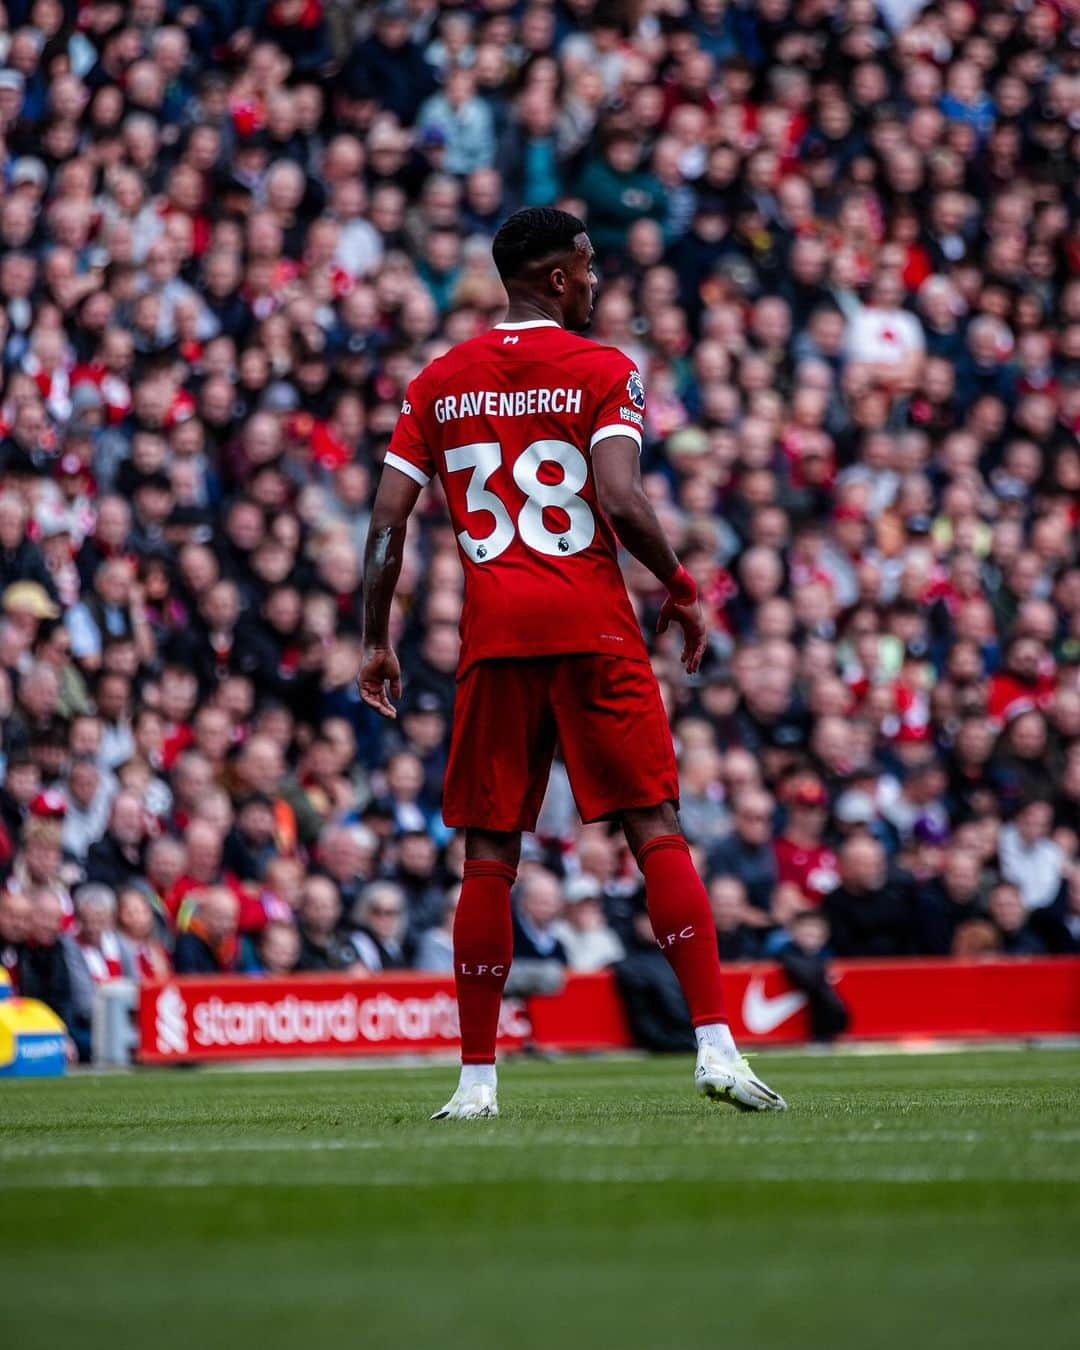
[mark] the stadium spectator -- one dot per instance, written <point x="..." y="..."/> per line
<point x="737" y="939"/>
<point x="747" y="852"/>
<point x="378" y="924"/>
<point x="277" y="950"/>
<point x="1005" y="908"/>
<point x="435" y="949"/>
<point x="948" y="901"/>
<point x="537" y="904"/>
<point x="135" y="925"/>
<point x="1030" y="858"/>
<point x="95" y="955"/>
<point x="583" y="931"/>
<point x="209" y="943"/>
<point x="319" y="913"/>
<point x="45" y="973"/>
<point x="869" y="913"/>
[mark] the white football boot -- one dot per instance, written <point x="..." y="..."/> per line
<point x="475" y="1102"/>
<point x="730" y="1079"/>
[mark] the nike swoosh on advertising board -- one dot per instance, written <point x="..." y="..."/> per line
<point x="762" y="1014"/>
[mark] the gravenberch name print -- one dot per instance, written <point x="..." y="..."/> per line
<point x="513" y="403"/>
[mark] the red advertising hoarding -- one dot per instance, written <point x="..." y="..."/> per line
<point x="234" y="1018"/>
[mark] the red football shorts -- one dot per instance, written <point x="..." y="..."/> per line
<point x="604" y="711"/>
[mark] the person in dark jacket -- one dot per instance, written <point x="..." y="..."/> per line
<point x="1008" y="915"/>
<point x="209" y="945"/>
<point x="947" y="901"/>
<point x="250" y="845"/>
<point x="735" y="939"/>
<point x="45" y="972"/>
<point x="747" y="852"/>
<point x="20" y="557"/>
<point x="388" y="67"/>
<point x="655" y="1007"/>
<point x="322" y="946"/>
<point x="380" y="921"/>
<point x="1058" y="925"/>
<point x="869" y="913"/>
<point x="618" y="191"/>
<point x="118" y="858"/>
<point x="537" y="904"/>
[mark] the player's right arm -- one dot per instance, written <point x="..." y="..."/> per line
<point x="617" y="470"/>
<point x="406" y="470"/>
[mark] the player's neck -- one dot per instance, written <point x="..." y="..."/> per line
<point x="528" y="309"/>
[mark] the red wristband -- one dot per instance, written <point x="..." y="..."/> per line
<point x="682" y="587"/>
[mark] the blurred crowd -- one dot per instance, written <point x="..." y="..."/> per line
<point x="840" y="240"/>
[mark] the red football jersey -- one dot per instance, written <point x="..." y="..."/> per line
<point x="509" y="422"/>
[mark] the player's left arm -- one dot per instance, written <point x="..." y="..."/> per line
<point x="615" y="446"/>
<point x="407" y="469"/>
<point x="617" y="470"/>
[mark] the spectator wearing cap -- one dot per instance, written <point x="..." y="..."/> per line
<point x="802" y="855"/>
<point x="424" y="720"/>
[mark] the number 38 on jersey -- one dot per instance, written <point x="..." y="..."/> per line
<point x="553" y="519"/>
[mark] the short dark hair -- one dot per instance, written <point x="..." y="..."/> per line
<point x="531" y="234"/>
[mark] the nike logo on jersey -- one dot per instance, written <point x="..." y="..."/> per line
<point x="762" y="1014"/>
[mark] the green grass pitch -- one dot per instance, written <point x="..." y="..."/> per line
<point x="904" y="1201"/>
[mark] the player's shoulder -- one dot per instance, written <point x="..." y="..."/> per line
<point x="599" y="362"/>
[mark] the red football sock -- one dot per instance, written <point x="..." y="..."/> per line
<point x="483" y="948"/>
<point x="683" y="923"/>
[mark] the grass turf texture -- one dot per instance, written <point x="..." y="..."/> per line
<point x="929" y="1201"/>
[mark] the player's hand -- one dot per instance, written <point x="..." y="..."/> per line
<point x="380" y="668"/>
<point x="691" y="619"/>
